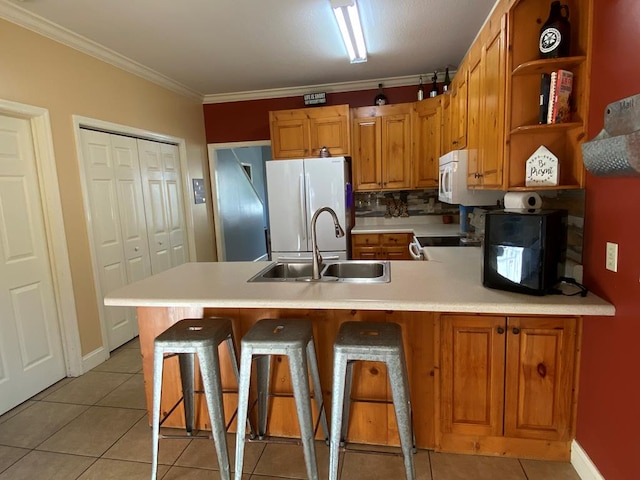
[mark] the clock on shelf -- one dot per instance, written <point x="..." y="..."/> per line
<point x="542" y="169"/>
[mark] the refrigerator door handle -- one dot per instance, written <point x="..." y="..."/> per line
<point x="302" y="210"/>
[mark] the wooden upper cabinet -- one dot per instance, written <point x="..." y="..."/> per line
<point x="381" y="150"/>
<point x="474" y="113"/>
<point x="303" y="132"/>
<point x="458" y="117"/>
<point x="367" y="153"/>
<point x="486" y="105"/>
<point x="427" y="137"/>
<point x="329" y="128"/>
<point x="493" y="104"/>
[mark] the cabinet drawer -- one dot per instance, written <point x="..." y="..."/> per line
<point x="395" y="239"/>
<point x="365" y="239"/>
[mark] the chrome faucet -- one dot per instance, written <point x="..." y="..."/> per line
<point x="317" y="258"/>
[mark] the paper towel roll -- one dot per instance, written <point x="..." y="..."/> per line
<point x="513" y="200"/>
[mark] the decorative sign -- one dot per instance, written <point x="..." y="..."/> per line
<point x="198" y="191"/>
<point x="542" y="169"/>
<point x="315" y="98"/>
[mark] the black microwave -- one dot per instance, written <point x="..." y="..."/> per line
<point x="524" y="250"/>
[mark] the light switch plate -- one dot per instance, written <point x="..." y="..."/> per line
<point x="612" y="257"/>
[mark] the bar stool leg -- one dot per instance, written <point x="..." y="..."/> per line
<point x="337" y="402"/>
<point x="300" y="379"/>
<point x="346" y="404"/>
<point x="402" y="403"/>
<point x="187" y="378"/>
<point x="210" y="366"/>
<point x="317" y="387"/>
<point x="263" y="367"/>
<point x="234" y="364"/>
<point x="158" y="361"/>
<point x="243" y="406"/>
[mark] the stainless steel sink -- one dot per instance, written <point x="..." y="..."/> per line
<point x="348" y="271"/>
<point x="286" y="271"/>
<point x="356" y="270"/>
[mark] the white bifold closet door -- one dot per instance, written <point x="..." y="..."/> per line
<point x="136" y="216"/>
<point x="160" y="167"/>
<point x="118" y="227"/>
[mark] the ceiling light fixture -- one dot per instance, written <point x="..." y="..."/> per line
<point x="346" y="12"/>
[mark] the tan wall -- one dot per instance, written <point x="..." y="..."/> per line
<point x="37" y="71"/>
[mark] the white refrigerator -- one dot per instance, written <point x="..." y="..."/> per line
<point x="295" y="190"/>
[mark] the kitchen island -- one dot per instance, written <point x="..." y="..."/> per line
<point x="476" y="385"/>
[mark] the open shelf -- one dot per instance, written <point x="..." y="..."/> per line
<point x="548" y="65"/>
<point x="545" y="127"/>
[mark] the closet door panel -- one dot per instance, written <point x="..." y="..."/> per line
<point x="106" y="231"/>
<point x="155" y="201"/>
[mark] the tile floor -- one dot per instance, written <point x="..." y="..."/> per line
<point x="95" y="427"/>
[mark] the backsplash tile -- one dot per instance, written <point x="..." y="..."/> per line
<point x="419" y="203"/>
<point x="425" y="202"/>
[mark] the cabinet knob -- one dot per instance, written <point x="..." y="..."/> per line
<point x="500" y="330"/>
<point x="515" y="330"/>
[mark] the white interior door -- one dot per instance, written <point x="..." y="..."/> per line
<point x="117" y="222"/>
<point x="31" y="357"/>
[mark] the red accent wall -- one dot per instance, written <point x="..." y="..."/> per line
<point x="608" y="425"/>
<point x="249" y="120"/>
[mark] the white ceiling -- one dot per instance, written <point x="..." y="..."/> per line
<point x="215" y="48"/>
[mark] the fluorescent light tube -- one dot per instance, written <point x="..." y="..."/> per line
<point x="346" y="12"/>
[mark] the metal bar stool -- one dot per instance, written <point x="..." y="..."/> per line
<point x="186" y="338"/>
<point x="293" y="338"/>
<point x="377" y="342"/>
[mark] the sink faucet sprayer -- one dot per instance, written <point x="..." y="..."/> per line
<point x="317" y="258"/>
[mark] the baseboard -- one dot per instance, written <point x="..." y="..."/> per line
<point x="583" y="464"/>
<point x="95" y="358"/>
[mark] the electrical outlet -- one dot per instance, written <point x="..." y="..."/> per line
<point x="612" y="257"/>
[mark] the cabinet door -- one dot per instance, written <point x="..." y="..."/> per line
<point x="427" y="121"/>
<point x="367" y="153"/>
<point x="472" y="372"/>
<point x="492" y="93"/>
<point x="540" y="378"/>
<point x="445" y="124"/>
<point x="396" y="151"/>
<point x="289" y="138"/>
<point x="459" y="95"/>
<point x="329" y="127"/>
<point x="474" y="117"/>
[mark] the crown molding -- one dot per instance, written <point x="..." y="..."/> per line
<point x="18" y="15"/>
<point x="327" y="88"/>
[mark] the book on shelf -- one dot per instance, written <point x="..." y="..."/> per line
<point x="545" y="86"/>
<point x="560" y="89"/>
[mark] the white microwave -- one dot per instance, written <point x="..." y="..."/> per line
<point x="452" y="182"/>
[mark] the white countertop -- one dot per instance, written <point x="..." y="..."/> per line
<point x="421" y="226"/>
<point x="450" y="283"/>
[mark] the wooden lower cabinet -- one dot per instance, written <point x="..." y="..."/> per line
<point x="507" y="385"/>
<point x="381" y="246"/>
<point x="372" y="420"/>
<point x="476" y="385"/>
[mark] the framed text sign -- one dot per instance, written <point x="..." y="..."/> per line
<point x="315" y="98"/>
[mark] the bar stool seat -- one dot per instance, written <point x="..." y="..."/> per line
<point x="376" y="342"/>
<point x="187" y="338"/>
<point x="292" y="338"/>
